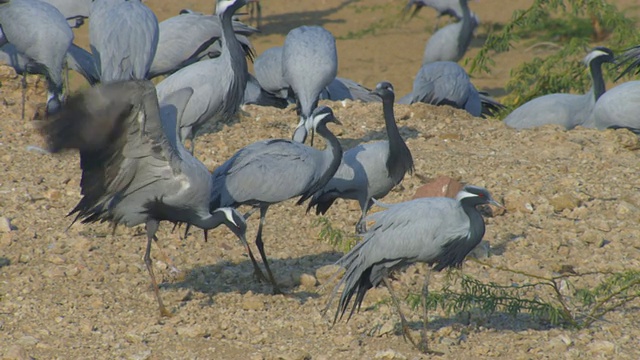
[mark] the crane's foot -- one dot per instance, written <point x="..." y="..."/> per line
<point x="165" y="313"/>
<point x="257" y="273"/>
<point x="361" y="227"/>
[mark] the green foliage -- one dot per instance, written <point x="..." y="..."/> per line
<point x="554" y="299"/>
<point x="571" y="24"/>
<point x="336" y="237"/>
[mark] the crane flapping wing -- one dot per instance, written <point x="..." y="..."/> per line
<point x="116" y="127"/>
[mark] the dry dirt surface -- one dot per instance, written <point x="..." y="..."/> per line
<point x="572" y="202"/>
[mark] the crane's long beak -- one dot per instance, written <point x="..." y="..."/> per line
<point x="493" y="202"/>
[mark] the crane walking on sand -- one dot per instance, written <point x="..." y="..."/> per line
<point x="437" y="231"/>
<point x="134" y="169"/>
<point x="271" y="171"/>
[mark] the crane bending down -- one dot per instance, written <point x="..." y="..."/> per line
<point x="124" y="38"/>
<point x="309" y="64"/>
<point x="271" y="171"/>
<point x="134" y="170"/>
<point x="436" y="231"/>
<point x="369" y="170"/>
<point x="41" y="34"/>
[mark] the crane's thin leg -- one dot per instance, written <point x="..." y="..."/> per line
<point x="152" y="227"/>
<point x="172" y="267"/>
<point x="260" y="245"/>
<point x="259" y="8"/>
<point x="405" y="326"/>
<point x="424" y="345"/>
<point x="256" y="268"/>
<point x="361" y="226"/>
<point x="24" y="91"/>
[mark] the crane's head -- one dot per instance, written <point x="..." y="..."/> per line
<point x="384" y="90"/>
<point x="600" y="54"/>
<point x="234" y="221"/>
<point x="231" y="6"/>
<point x="321" y="116"/>
<point x="475" y="195"/>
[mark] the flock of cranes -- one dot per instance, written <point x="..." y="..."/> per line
<point x="131" y="134"/>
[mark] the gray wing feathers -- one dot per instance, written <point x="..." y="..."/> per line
<point x="409" y="232"/>
<point x="171" y="110"/>
<point x="124" y="39"/>
<point x="241" y="177"/>
<point x="309" y="63"/>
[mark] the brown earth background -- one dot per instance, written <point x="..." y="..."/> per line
<point x="572" y="200"/>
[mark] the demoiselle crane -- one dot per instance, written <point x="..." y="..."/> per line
<point x="451" y="42"/>
<point x="567" y="110"/>
<point x="134" y="169"/>
<point x="40" y="33"/>
<point x="438" y="231"/>
<point x="620" y="107"/>
<point x="218" y="83"/>
<point x="369" y="170"/>
<point x="271" y="171"/>
<point x="124" y="38"/>
<point x="309" y="64"/>
<point x="187" y="38"/>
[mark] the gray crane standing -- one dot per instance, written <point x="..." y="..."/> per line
<point x="369" y="170"/>
<point x="437" y="231"/>
<point x="189" y="37"/>
<point x="451" y="42"/>
<point x="218" y="83"/>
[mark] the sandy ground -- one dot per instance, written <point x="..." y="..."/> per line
<point x="572" y="201"/>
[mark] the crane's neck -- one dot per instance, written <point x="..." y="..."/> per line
<point x="476" y="223"/>
<point x="333" y="153"/>
<point x="464" y="37"/>
<point x="400" y="160"/>
<point x="595" y="68"/>
<point x="232" y="51"/>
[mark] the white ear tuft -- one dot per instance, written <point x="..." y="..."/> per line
<point x="228" y="213"/>
<point x="318" y="118"/>
<point x="222" y="5"/>
<point x="464" y="194"/>
<point x="594" y="54"/>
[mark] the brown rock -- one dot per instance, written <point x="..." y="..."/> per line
<point x="252" y="302"/>
<point x="517" y="201"/>
<point x="308" y="281"/>
<point x="5" y="225"/>
<point x="325" y="273"/>
<point x="15" y="352"/>
<point x="440" y="186"/>
<point x="564" y="201"/>
<point x="53" y="195"/>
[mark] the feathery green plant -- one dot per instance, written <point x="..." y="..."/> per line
<point x="561" y="71"/>
<point x="334" y="236"/>
<point x="555" y="299"/>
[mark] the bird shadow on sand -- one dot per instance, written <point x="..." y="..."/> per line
<point x="228" y="277"/>
<point x="283" y="23"/>
<point x="467" y="322"/>
<point x="406" y="132"/>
